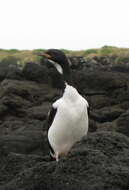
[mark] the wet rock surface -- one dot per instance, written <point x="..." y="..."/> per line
<point x="100" y="161"/>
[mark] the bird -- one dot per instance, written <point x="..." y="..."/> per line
<point x="68" y="116"/>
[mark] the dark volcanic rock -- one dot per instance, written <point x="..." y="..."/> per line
<point x="99" y="80"/>
<point x="39" y="112"/>
<point x="100" y="101"/>
<point x="10" y="69"/>
<point x="107" y="114"/>
<point x="78" y="62"/>
<point x="24" y="137"/>
<point x="122" y="123"/>
<point x="36" y="72"/>
<point x="98" y="162"/>
<point x="24" y="104"/>
<point x="29" y="93"/>
<point x="121" y="67"/>
<point x="11" y="164"/>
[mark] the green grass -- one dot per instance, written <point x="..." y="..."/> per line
<point x="23" y="56"/>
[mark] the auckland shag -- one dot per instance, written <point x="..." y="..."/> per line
<point x="68" y="117"/>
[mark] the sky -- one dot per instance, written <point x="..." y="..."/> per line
<point x="67" y="24"/>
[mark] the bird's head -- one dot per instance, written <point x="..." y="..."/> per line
<point x="58" y="59"/>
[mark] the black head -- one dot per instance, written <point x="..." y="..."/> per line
<point x="57" y="56"/>
<point x="59" y="60"/>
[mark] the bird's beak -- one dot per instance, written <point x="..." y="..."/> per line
<point x="44" y="55"/>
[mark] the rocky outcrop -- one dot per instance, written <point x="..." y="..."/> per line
<point x="95" y="163"/>
<point x="99" y="161"/>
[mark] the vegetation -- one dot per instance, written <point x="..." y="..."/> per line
<point x="22" y="56"/>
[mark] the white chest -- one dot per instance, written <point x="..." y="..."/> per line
<point x="70" y="123"/>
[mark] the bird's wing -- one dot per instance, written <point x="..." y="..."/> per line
<point x="51" y="116"/>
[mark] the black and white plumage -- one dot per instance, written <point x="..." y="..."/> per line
<point x="68" y="118"/>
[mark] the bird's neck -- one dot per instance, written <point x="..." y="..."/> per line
<point x="66" y="78"/>
<point x="70" y="93"/>
<point x="65" y="74"/>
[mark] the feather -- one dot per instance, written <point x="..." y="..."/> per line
<point x="51" y="115"/>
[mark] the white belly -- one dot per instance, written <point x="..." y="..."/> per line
<point x="69" y="126"/>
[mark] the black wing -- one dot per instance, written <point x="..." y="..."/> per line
<point x="51" y="116"/>
<point x="50" y="119"/>
<point x="88" y="110"/>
